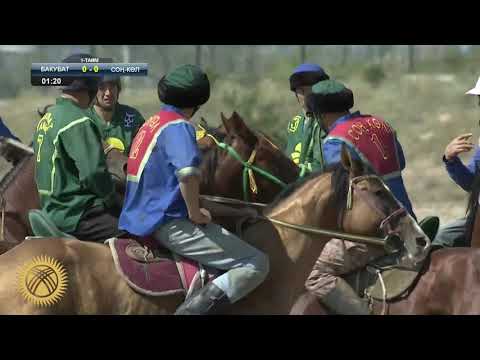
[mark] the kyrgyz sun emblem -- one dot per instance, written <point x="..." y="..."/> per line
<point x="42" y="281"/>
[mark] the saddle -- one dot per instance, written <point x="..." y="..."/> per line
<point x="146" y="266"/>
<point x="387" y="278"/>
<point x="153" y="270"/>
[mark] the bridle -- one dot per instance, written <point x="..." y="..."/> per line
<point x="249" y="183"/>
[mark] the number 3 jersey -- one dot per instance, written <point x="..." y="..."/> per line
<point x="375" y="143"/>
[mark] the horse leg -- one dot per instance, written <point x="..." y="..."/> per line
<point x="308" y="304"/>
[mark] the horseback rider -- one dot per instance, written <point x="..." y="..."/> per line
<point x="118" y="123"/>
<point x="304" y="135"/>
<point x="453" y="233"/>
<point x="76" y="191"/>
<point x="162" y="197"/>
<point x="372" y="140"/>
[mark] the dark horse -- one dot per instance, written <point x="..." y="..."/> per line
<point x="222" y="175"/>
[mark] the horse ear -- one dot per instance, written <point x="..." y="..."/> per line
<point x="203" y="122"/>
<point x="353" y="166"/>
<point x="225" y="123"/>
<point x="233" y="125"/>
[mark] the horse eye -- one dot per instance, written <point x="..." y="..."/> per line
<point x="379" y="193"/>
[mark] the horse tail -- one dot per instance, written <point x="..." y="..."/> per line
<point x="44" y="110"/>
<point x="472" y="205"/>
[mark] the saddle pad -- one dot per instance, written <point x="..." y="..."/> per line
<point x="159" y="278"/>
<point x="397" y="281"/>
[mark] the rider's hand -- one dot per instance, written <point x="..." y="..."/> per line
<point x="202" y="217"/>
<point x="458" y="145"/>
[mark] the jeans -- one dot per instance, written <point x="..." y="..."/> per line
<point x="216" y="247"/>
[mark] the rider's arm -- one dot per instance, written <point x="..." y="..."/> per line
<point x="189" y="187"/>
<point x="332" y="151"/>
<point x="83" y="143"/>
<point x="181" y="151"/>
<point x="461" y="174"/>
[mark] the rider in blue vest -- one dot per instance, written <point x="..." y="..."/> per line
<point x="162" y="197"/>
<point x="330" y="103"/>
<point x="338" y="114"/>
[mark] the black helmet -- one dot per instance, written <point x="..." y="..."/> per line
<point x="82" y="82"/>
<point x="187" y="86"/>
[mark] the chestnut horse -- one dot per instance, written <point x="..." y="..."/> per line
<point x="95" y="287"/>
<point x="448" y="285"/>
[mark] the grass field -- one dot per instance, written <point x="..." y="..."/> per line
<point x="426" y="110"/>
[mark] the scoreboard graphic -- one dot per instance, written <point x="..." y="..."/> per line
<point x="62" y="74"/>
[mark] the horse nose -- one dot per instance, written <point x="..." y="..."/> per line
<point x="421" y="241"/>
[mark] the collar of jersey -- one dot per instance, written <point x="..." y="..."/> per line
<point x="174" y="109"/>
<point x="343" y="119"/>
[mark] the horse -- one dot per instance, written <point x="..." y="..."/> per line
<point x="319" y="200"/>
<point x="448" y="284"/>
<point x="222" y="175"/>
<point x="18" y="195"/>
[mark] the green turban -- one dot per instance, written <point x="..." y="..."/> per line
<point x="330" y="96"/>
<point x="187" y="86"/>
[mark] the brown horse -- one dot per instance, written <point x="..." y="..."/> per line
<point x="222" y="175"/>
<point x="94" y="286"/>
<point x="449" y="284"/>
<point x="19" y="192"/>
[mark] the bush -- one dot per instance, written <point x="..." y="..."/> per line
<point x="374" y="74"/>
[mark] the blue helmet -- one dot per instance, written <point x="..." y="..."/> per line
<point x="307" y="75"/>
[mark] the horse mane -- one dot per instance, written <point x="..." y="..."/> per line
<point x="339" y="182"/>
<point x="472" y="206"/>
<point x="12" y="174"/>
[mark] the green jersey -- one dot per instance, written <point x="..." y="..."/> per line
<point x="71" y="172"/>
<point x="123" y="127"/>
<point x="304" y="143"/>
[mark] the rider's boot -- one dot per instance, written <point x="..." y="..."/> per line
<point x="343" y="300"/>
<point x="208" y="300"/>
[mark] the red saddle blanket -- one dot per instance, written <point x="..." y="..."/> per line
<point x="161" y="273"/>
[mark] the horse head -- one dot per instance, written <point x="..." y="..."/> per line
<point x="371" y="208"/>
<point x="248" y="165"/>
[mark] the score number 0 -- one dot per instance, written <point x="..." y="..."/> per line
<point x="85" y="68"/>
